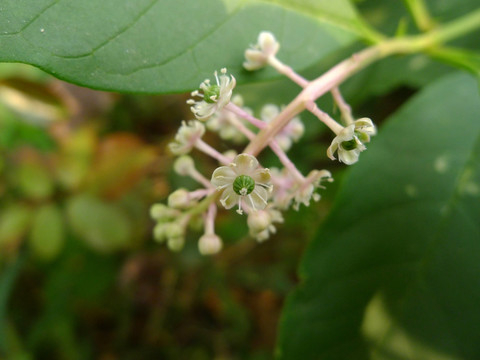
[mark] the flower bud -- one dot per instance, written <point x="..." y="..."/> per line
<point x="174" y="230"/>
<point x="179" y="199"/>
<point x="183" y="165"/>
<point x="187" y="135"/>
<point x="159" y="232"/>
<point x="209" y="244"/>
<point x="257" y="56"/>
<point x="161" y="212"/>
<point x="258" y="221"/>
<point x="176" y="243"/>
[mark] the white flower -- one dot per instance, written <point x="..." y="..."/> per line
<point x="222" y="122"/>
<point x="306" y="190"/>
<point x="215" y="96"/>
<point x="186" y="137"/>
<point x="260" y="223"/>
<point x="243" y="180"/>
<point x="257" y="55"/>
<point x="293" y="131"/>
<point x="350" y="142"/>
<point x="209" y="244"/>
<point x="288" y="188"/>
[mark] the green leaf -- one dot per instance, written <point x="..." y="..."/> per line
<point x="467" y="59"/>
<point x="393" y="273"/>
<point x="103" y="226"/>
<point x="150" y="46"/>
<point x="8" y="275"/>
<point x="14" y="222"/>
<point x="34" y="181"/>
<point x="47" y="235"/>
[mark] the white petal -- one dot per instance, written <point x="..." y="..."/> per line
<point x="258" y="198"/>
<point x="346" y="134"/>
<point x="203" y="110"/>
<point x="245" y="164"/>
<point x="229" y="198"/>
<point x="365" y="125"/>
<point x="268" y="43"/>
<point x="331" y="149"/>
<point x="261" y="176"/>
<point x="255" y="59"/>
<point x="349" y="157"/>
<point x="222" y="176"/>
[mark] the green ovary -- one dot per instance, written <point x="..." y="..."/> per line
<point x="243" y="185"/>
<point x="349" y="145"/>
<point x="212" y="90"/>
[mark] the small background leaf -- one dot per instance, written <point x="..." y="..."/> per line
<point x="47" y="235"/>
<point x="393" y="273"/>
<point x="103" y="226"/>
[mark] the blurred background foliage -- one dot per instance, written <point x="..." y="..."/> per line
<point x="81" y="278"/>
<point x="80" y="275"/>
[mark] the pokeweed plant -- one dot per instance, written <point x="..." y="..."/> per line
<point x="393" y="272"/>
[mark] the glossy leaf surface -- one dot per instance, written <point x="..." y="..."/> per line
<point x="393" y="273"/>
<point x="151" y="46"/>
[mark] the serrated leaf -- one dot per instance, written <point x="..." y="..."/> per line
<point x="151" y="46"/>
<point x="393" y="273"/>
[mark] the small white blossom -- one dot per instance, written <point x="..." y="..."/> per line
<point x="306" y="190"/>
<point x="209" y="244"/>
<point x="215" y="96"/>
<point x="293" y="131"/>
<point x="350" y="142"/>
<point x="257" y="55"/>
<point x="222" y="122"/>
<point x="243" y="180"/>
<point x="186" y="137"/>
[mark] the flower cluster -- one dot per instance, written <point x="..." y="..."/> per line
<point x="240" y="181"/>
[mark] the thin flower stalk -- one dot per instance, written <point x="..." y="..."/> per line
<point x="344" y="108"/>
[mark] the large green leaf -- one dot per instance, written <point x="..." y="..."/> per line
<point x="154" y="46"/>
<point x="394" y="272"/>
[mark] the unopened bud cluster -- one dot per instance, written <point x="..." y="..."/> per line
<point x="240" y="181"/>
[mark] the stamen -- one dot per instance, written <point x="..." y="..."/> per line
<point x="239" y="210"/>
<point x="251" y="200"/>
<point x="264" y="201"/>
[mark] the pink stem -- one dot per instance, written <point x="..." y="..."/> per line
<point x="245" y="115"/>
<point x="287" y="71"/>
<point x="210" y="219"/>
<point x="345" y="109"/>
<point x="325" y="118"/>
<point x="200" y="178"/>
<point x="207" y="149"/>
